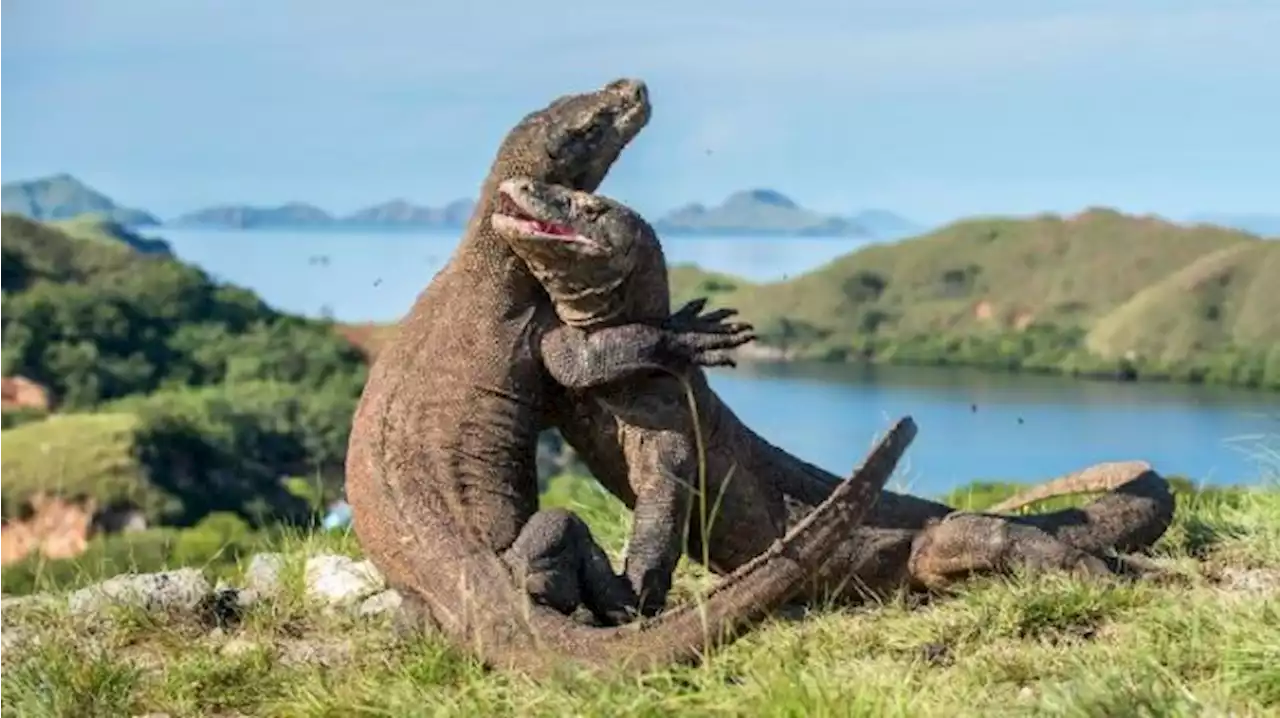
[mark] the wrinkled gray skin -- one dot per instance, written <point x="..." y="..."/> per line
<point x="588" y="271"/>
<point x="754" y="490"/>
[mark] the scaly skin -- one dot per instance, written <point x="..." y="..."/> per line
<point x="589" y="280"/>
<point x="440" y="466"/>
<point x="755" y="490"/>
<point x="1093" y="480"/>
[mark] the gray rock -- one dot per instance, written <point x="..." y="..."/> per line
<point x="27" y="602"/>
<point x="263" y="577"/>
<point x="387" y="602"/>
<point x="340" y="581"/>
<point x="16" y="638"/>
<point x="317" y="652"/>
<point x="180" y="590"/>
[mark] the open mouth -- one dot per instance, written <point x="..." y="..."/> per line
<point x="509" y="208"/>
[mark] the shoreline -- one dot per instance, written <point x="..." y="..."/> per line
<point x="767" y="354"/>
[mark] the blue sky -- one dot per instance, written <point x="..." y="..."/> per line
<point x="933" y="108"/>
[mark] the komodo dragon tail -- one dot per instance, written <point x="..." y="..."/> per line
<point x="1134" y="512"/>
<point x="504" y="629"/>
<point x="1095" y="479"/>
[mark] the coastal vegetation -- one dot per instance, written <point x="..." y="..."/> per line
<point x="174" y="392"/>
<point x="1096" y="294"/>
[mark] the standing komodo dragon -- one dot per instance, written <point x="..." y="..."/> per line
<point x="440" y="465"/>
<point x="754" y="490"/>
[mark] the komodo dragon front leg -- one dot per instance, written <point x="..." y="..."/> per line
<point x="562" y="564"/>
<point x="588" y="265"/>
<point x="663" y="451"/>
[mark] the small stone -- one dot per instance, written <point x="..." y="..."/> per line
<point x="222" y="608"/>
<point x="15" y="639"/>
<point x="181" y="590"/>
<point x="263" y="576"/>
<point x="14" y="608"/>
<point x="1253" y="581"/>
<point x="338" y="580"/>
<point x="326" y="653"/>
<point x="388" y="601"/>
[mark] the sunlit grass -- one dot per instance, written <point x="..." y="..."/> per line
<point x="1051" y="645"/>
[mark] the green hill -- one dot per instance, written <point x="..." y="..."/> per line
<point x="101" y="229"/>
<point x="1096" y="293"/>
<point x="180" y="395"/>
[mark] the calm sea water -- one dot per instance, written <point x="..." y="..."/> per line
<point x="375" y="276"/>
<point x="972" y="424"/>
<point x="977" y="425"/>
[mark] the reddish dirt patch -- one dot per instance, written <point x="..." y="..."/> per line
<point x="56" y="527"/>
<point x="18" y="392"/>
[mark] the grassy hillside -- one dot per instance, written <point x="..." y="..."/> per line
<point x="96" y="228"/>
<point x="1097" y="293"/>
<point x="175" y="393"/>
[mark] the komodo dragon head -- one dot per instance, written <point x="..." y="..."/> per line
<point x="575" y="139"/>
<point x="581" y="246"/>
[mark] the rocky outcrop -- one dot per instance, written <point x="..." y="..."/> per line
<point x="330" y="583"/>
<point x="18" y="392"/>
<point x="53" y="526"/>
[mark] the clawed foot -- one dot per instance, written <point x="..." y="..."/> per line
<point x="705" y="339"/>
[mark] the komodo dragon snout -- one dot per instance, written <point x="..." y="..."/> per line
<point x="582" y="135"/>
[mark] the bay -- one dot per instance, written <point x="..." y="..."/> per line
<point x="973" y="425"/>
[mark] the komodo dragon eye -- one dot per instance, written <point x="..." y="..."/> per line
<point x="592" y="212"/>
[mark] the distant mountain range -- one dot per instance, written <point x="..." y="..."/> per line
<point x="62" y="196"/>
<point x="756" y="211"/>
<point x="750" y="212"/>
<point x="300" y="215"/>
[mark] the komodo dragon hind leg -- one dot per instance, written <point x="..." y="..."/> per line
<point x="562" y="567"/>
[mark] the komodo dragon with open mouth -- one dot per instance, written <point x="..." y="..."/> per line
<point x="440" y="464"/>
<point x="754" y="490"/>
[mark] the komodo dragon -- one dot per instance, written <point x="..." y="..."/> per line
<point x="440" y="464"/>
<point x="756" y="489"/>
<point x="590" y="284"/>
